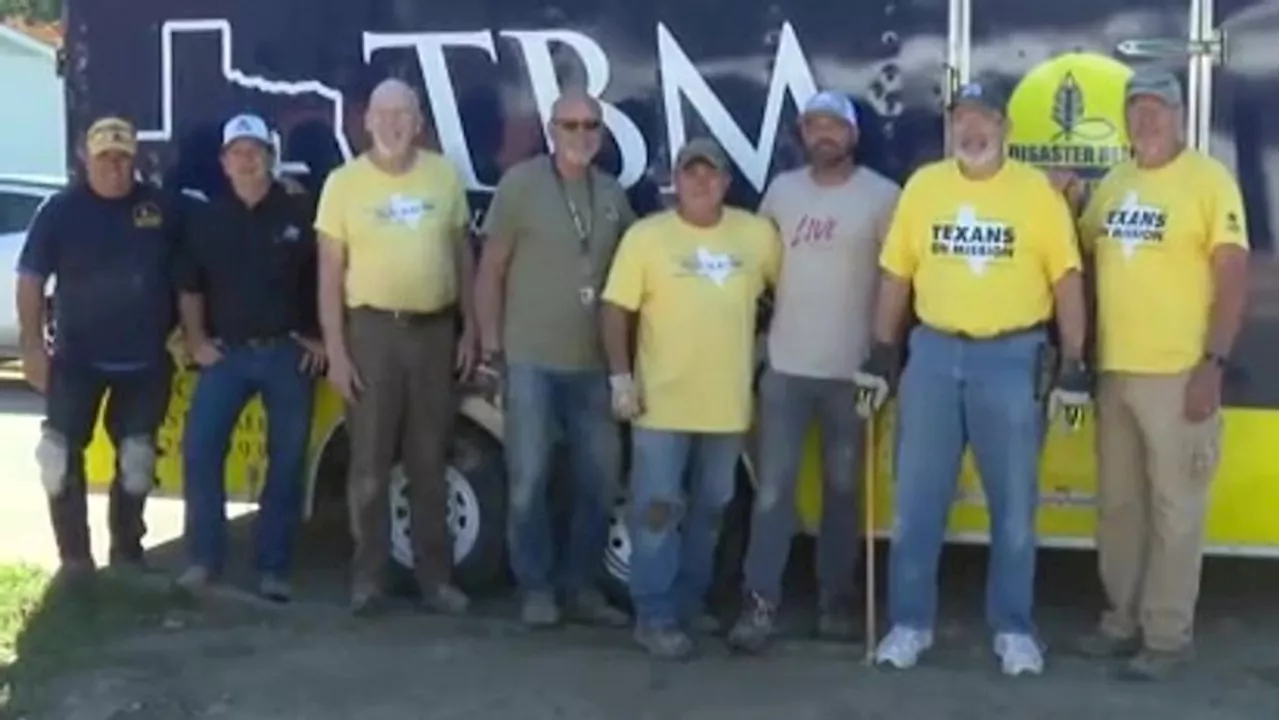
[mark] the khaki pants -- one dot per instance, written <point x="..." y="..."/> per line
<point x="1154" y="470"/>
<point x="406" y="408"/>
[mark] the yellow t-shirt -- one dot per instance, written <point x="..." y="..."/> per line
<point x="399" y="232"/>
<point x="695" y="290"/>
<point x="1152" y="234"/>
<point x="982" y="256"/>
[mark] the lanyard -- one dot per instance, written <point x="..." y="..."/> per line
<point x="581" y="224"/>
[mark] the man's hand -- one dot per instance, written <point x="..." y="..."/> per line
<point x="343" y="376"/>
<point x="204" y="351"/>
<point x="1203" y="394"/>
<point x="489" y="373"/>
<point x="314" y="358"/>
<point x="468" y="349"/>
<point x="1071" y="393"/>
<point x="876" y="380"/>
<point x="35" y="367"/>
<point x="625" y="397"/>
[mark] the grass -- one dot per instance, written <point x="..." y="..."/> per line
<point x="47" y="629"/>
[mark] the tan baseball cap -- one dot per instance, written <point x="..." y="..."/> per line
<point x="111" y="133"/>
<point x="702" y="150"/>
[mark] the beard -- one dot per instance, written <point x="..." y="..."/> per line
<point x="826" y="154"/>
<point x="978" y="157"/>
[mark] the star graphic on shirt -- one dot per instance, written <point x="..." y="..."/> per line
<point x="969" y="226"/>
<point x="716" y="267"/>
<point x="1131" y="224"/>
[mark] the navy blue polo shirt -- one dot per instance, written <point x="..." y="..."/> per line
<point x="113" y="264"/>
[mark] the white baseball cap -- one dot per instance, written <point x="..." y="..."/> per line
<point x="246" y="126"/>
<point x="834" y="104"/>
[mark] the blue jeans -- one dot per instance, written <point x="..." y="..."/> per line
<point x="537" y="403"/>
<point x="222" y="391"/>
<point x="674" y="528"/>
<point x="981" y="392"/>
<point x="789" y="406"/>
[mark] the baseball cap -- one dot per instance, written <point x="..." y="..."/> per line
<point x="246" y="126"/>
<point x="984" y="95"/>
<point x="704" y="150"/>
<point x="832" y="103"/>
<point x="1159" y="84"/>
<point x="111" y="133"/>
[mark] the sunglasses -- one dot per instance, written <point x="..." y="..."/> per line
<point x="578" y="125"/>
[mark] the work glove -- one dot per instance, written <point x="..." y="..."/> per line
<point x="876" y="379"/>
<point x="1070" y="395"/>
<point x="625" y="397"/>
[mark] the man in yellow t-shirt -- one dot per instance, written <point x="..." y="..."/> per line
<point x="988" y="249"/>
<point x="1168" y="241"/>
<point x="395" y="273"/>
<point x="690" y="278"/>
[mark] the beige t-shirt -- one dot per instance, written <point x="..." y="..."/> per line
<point x="831" y="238"/>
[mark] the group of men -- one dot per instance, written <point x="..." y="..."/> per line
<point x="583" y="317"/>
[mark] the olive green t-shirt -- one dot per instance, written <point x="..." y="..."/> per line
<point x="550" y="313"/>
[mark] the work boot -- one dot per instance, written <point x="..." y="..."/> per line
<point x="445" y="599"/>
<point x="837" y="621"/>
<point x="1154" y="665"/>
<point x="589" y="606"/>
<point x="664" y="643"/>
<point x="1101" y="646"/>
<point x="755" y="626"/>
<point x="74" y="577"/>
<point x="366" y="602"/>
<point x="539" y="610"/>
<point x="275" y="588"/>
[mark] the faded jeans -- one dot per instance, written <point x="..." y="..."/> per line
<point x="980" y="392"/>
<point x="789" y="405"/>
<point x="537" y="402"/>
<point x="674" y="526"/>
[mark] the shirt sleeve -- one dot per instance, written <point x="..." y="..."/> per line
<point x="188" y="273"/>
<point x="39" y="256"/>
<point x="772" y="253"/>
<point x="1226" y="211"/>
<point x="331" y="216"/>
<point x="460" y="219"/>
<point x="900" y="254"/>
<point x="626" y="214"/>
<point x="309" y="266"/>
<point x="768" y="202"/>
<point x="625" y="286"/>
<point x="885" y="221"/>
<point x="500" y="218"/>
<point x="1059" y="251"/>
<point x="1091" y="220"/>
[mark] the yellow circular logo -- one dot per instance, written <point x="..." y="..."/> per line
<point x="1068" y="113"/>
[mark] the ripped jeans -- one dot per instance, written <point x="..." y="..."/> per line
<point x="789" y="407"/>
<point x="680" y="485"/>
<point x="957" y="391"/>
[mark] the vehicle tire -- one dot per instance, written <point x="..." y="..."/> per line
<point x="732" y="548"/>
<point x="477" y="514"/>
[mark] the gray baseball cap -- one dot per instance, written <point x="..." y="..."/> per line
<point x="702" y="149"/>
<point x="1159" y="84"/>
<point x="983" y="95"/>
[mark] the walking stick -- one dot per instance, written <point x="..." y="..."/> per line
<point x="869" y="536"/>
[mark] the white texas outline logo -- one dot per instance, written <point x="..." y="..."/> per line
<point x="1126" y="232"/>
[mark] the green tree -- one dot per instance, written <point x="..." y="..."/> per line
<point x="38" y="11"/>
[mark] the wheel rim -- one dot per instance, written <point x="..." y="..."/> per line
<point x="617" y="553"/>
<point x="463" y="516"/>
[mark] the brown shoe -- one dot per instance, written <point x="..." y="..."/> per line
<point x="1154" y="665"/>
<point x="366" y="603"/>
<point x="1101" y="646"/>
<point x="591" y="608"/>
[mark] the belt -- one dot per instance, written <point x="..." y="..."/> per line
<point x="406" y="317"/>
<point x="998" y="335"/>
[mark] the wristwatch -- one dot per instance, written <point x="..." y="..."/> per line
<point x="1216" y="359"/>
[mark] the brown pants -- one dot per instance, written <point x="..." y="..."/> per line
<point x="1154" y="470"/>
<point x="407" y="407"/>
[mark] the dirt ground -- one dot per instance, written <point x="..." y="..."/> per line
<point x="228" y="659"/>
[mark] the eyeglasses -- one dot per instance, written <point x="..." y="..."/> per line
<point x="578" y="125"/>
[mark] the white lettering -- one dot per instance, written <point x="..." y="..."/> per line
<point x="536" y="47"/>
<point x="441" y="94"/>
<point x="681" y="80"/>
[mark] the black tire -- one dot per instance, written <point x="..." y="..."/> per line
<point x="475" y="459"/>
<point x="726" y="581"/>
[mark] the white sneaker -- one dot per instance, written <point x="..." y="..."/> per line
<point x="902" y="647"/>
<point x="1019" y="654"/>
